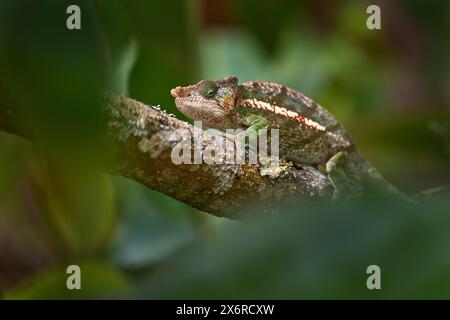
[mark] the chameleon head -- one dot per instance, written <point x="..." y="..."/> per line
<point x="207" y="101"/>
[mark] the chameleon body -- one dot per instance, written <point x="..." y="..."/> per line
<point x="308" y="134"/>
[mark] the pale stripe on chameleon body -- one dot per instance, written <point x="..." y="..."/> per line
<point x="257" y="104"/>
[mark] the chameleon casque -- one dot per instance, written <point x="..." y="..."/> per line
<point x="308" y="134"/>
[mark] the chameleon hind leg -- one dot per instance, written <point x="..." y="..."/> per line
<point x="370" y="183"/>
<point x="344" y="188"/>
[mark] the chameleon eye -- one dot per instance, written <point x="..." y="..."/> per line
<point x="208" y="89"/>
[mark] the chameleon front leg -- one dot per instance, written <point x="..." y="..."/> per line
<point x="257" y="123"/>
<point x="250" y="135"/>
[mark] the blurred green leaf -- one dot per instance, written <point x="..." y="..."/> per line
<point x="78" y="205"/>
<point x="166" y="33"/>
<point x="318" y="252"/>
<point x="118" y="43"/>
<point x="145" y="238"/>
<point x="98" y="281"/>
<point x="267" y="19"/>
<point x="152" y="227"/>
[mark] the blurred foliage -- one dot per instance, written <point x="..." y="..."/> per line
<point x="317" y="253"/>
<point x="99" y="281"/>
<point x="145" y="239"/>
<point x="388" y="87"/>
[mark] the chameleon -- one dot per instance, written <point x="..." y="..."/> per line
<point x="308" y="133"/>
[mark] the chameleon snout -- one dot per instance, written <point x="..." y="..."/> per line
<point x="175" y="92"/>
<point x="180" y="92"/>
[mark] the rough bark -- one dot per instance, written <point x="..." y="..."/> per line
<point x="139" y="144"/>
<point x="142" y="138"/>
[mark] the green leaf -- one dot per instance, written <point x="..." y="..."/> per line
<point x="318" y="252"/>
<point x="98" y="281"/>
<point x="152" y="226"/>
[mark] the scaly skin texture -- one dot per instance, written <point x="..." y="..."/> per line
<point x="308" y="134"/>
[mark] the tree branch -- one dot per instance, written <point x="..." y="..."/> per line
<point x="142" y="138"/>
<point x="139" y="144"/>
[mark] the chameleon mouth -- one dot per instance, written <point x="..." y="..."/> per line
<point x="207" y="111"/>
<point x="194" y="103"/>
